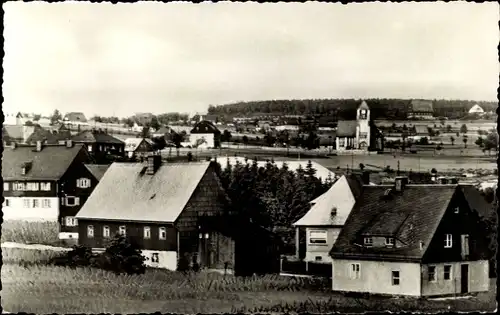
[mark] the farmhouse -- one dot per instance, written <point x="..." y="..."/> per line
<point x="476" y="109"/>
<point x="205" y="133"/>
<point x="414" y="240"/>
<point x="421" y="109"/>
<point x="99" y="143"/>
<point x="165" y="132"/>
<point x="47" y="137"/>
<point x="75" y="118"/>
<point x="138" y="147"/>
<point x="177" y="213"/>
<point x="360" y="133"/>
<point x="46" y="183"/>
<point x="324" y="221"/>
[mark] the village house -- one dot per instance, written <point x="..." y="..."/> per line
<point x="138" y="147"/>
<point x="46" y="136"/>
<point x="165" y="131"/>
<point x="205" y="133"/>
<point x="177" y="213"/>
<point x="420" y="109"/>
<point x="210" y="118"/>
<point x="46" y="183"/>
<point x="359" y="134"/>
<point x="476" y="109"/>
<point x="324" y="221"/>
<point x="413" y="240"/>
<point x="99" y="143"/>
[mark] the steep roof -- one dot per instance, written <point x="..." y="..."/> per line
<point x="339" y="197"/>
<point x="44" y="135"/>
<point x="75" y="116"/>
<point x="95" y="136"/>
<point x="147" y="198"/>
<point x="205" y="127"/>
<point x="13" y="131"/>
<point x="477" y="202"/>
<point x="363" y="105"/>
<point x="476" y="109"/>
<point x="410" y="217"/>
<point x="421" y="106"/>
<point x="164" y="130"/>
<point x="131" y="144"/>
<point x="49" y="164"/>
<point x="97" y="170"/>
<point x="346" y="128"/>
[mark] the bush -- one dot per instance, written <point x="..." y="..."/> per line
<point x="27" y="232"/>
<point x="79" y="256"/>
<point x="122" y="257"/>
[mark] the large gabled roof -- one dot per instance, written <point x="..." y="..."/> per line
<point x="97" y="170"/>
<point x="95" y="136"/>
<point x="75" y="116"/>
<point x="346" y="128"/>
<point x="411" y="217"/>
<point x="205" y="126"/>
<point x="48" y="164"/>
<point x="131" y="144"/>
<point x="126" y="193"/>
<point x="44" y="135"/>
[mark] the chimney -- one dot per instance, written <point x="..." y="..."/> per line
<point x="421" y="245"/>
<point x="366" y="178"/>
<point x="400" y="183"/>
<point x="69" y="144"/>
<point x="153" y="163"/>
<point x="38" y="146"/>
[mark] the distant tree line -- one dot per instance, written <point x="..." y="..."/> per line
<point x="345" y="108"/>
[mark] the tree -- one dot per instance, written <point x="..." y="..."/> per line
<point x="226" y="136"/>
<point x="245" y="140"/>
<point x="465" y="141"/>
<point x="121" y="256"/>
<point x="129" y="123"/>
<point x="56" y="117"/>
<point x="463" y="129"/>
<point x="491" y="142"/>
<point x="448" y="128"/>
<point x="442" y="121"/>
<point x="145" y="132"/>
<point x="452" y="139"/>
<point x="154" y="123"/>
<point x="361" y="166"/>
<point x="29" y="123"/>
<point x="177" y="140"/>
<point x="480" y="142"/>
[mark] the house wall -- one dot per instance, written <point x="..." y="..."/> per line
<point x="166" y="259"/>
<point x="376" y="277"/>
<point x="363" y="127"/>
<point x="321" y="250"/>
<point x="478" y="278"/>
<point x="209" y="138"/>
<point x="17" y="210"/>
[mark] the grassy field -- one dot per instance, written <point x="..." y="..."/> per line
<point x="25" y="232"/>
<point x="46" y="289"/>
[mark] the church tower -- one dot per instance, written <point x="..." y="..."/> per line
<point x="363" y="126"/>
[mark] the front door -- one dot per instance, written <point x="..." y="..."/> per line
<point x="204" y="250"/>
<point x="464" y="283"/>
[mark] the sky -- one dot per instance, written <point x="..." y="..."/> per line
<point x="107" y="59"/>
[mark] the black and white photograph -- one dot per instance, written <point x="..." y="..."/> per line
<point x="245" y="157"/>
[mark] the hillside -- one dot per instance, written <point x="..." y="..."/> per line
<point x="343" y="108"/>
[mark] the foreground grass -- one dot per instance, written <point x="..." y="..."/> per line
<point x="47" y="289"/>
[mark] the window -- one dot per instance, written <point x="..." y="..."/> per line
<point x="45" y="186"/>
<point x="72" y="201"/>
<point x="36" y="203"/>
<point x="27" y="203"/>
<point x="448" y="241"/>
<point x="19" y="186"/>
<point x="465" y="245"/>
<point x="457" y="209"/>
<point x="162" y="235"/>
<point x="155" y="258"/>
<point x="147" y="232"/>
<point x="90" y="231"/>
<point x="318" y="258"/>
<point x="432" y="273"/>
<point x="32" y="186"/>
<point x="46" y="203"/>
<point x="105" y="231"/>
<point x="355" y="271"/>
<point x="447" y="272"/>
<point x="317" y="237"/>
<point x="83" y="183"/>
<point x="395" y="277"/>
<point x="89" y="148"/>
<point x="122" y="230"/>
<point x="389" y="241"/>
<point x="341" y="142"/>
<point x="7" y="202"/>
<point x="363" y="114"/>
<point x="6" y="186"/>
<point x="71" y="221"/>
<point x="368" y="241"/>
<point x="363" y="135"/>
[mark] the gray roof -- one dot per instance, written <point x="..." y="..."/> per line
<point x="346" y="128"/>
<point x="44" y="135"/>
<point x="124" y="194"/>
<point x="49" y="164"/>
<point x="95" y="136"/>
<point x="97" y="170"/>
<point x="205" y="126"/>
<point x="421" y="106"/>
<point x="75" y="116"/>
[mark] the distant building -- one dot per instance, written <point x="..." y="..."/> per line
<point x="324" y="221"/>
<point x="99" y="143"/>
<point x="422" y="109"/>
<point x="166" y="132"/>
<point x="138" y="147"/>
<point x="476" y="109"/>
<point x="16" y="133"/>
<point x="75" y="118"/>
<point x="413" y="240"/>
<point x="178" y="214"/>
<point x="205" y="133"/>
<point x="46" y="183"/>
<point x="214" y="119"/>
<point x="359" y="134"/>
<point x="47" y="136"/>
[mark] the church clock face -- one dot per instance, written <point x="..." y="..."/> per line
<point x="363" y="114"/>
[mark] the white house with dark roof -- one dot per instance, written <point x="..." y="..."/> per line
<point x="324" y="221"/>
<point x="412" y="240"/>
<point x="421" y="109"/>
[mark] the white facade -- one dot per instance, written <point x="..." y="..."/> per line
<point x="202" y="139"/>
<point x="160" y="259"/>
<point x="362" y="137"/>
<point x="320" y="252"/>
<point x="476" y="109"/>
<point x="31" y="208"/>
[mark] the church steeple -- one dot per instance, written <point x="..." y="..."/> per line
<point x="363" y="112"/>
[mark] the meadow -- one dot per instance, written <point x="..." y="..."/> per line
<point x="26" y="232"/>
<point x="35" y="287"/>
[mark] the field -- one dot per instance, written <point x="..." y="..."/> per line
<point x="25" y="232"/>
<point x="47" y="289"/>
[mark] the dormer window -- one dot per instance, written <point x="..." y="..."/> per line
<point x="389" y="242"/>
<point x="368" y="241"/>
